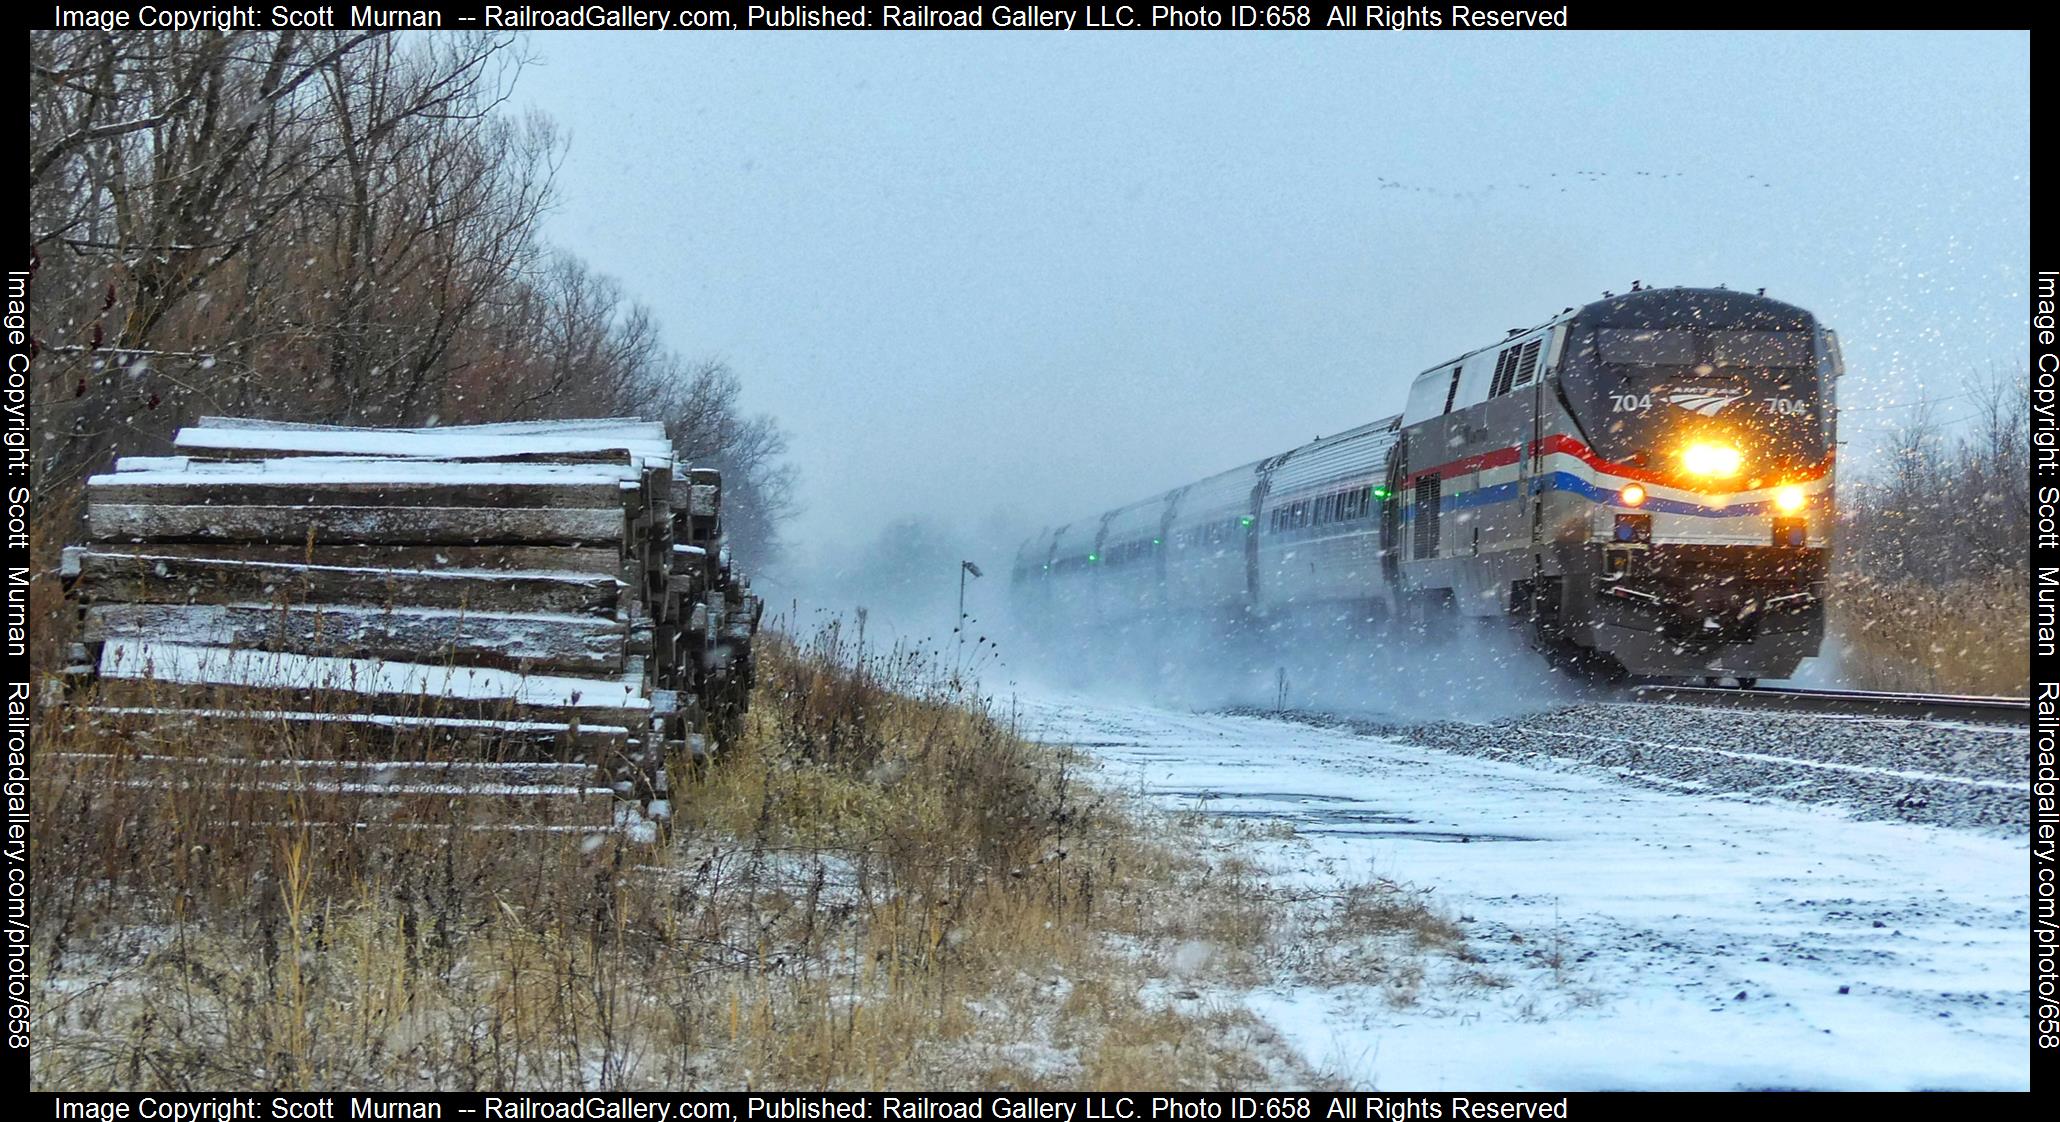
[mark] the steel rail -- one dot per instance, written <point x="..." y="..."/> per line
<point x="1857" y="703"/>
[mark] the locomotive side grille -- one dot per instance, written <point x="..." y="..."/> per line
<point x="1527" y="363"/>
<point x="1505" y="370"/>
<point x="1429" y="499"/>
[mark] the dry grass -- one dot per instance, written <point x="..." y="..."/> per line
<point x="1967" y="637"/>
<point x="883" y="884"/>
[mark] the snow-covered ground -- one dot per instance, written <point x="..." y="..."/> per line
<point x="1640" y="938"/>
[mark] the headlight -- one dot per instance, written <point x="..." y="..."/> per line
<point x="1632" y="495"/>
<point x="1790" y="499"/>
<point x="1718" y="460"/>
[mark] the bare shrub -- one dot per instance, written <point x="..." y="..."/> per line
<point x="1966" y="636"/>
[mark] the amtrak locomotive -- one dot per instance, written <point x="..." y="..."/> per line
<point x="1643" y="484"/>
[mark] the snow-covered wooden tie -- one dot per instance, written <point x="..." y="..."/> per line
<point x="553" y="591"/>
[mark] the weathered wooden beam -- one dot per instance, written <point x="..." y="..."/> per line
<point x="368" y="524"/>
<point x="690" y="560"/>
<point x="542" y="487"/>
<point x="121" y="577"/>
<point x="616" y="701"/>
<point x="622" y="426"/>
<point x="453" y="444"/>
<point x="371" y="735"/>
<point x="603" y="561"/>
<point x="151" y="463"/>
<point x="622" y="459"/>
<point x="150" y="691"/>
<point x="540" y="776"/>
<point x="572" y="643"/>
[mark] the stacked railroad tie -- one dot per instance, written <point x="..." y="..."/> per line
<point x="459" y="613"/>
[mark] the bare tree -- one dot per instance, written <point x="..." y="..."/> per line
<point x="333" y="227"/>
<point x="159" y="160"/>
<point x="1945" y="505"/>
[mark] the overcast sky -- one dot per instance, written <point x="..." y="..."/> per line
<point x="1056" y="272"/>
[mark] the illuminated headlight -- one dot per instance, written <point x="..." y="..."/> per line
<point x="1717" y="460"/>
<point x="1631" y="495"/>
<point x="1788" y="500"/>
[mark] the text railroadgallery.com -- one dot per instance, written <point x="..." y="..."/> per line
<point x="837" y="14"/>
<point x="2044" y="414"/>
<point x="810" y="1107"/>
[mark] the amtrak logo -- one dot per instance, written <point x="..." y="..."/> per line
<point x="1705" y="400"/>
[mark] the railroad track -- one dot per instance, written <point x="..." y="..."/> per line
<point x="1855" y="703"/>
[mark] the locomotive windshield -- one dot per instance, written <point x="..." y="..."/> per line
<point x="1731" y="350"/>
<point x="1659" y="379"/>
